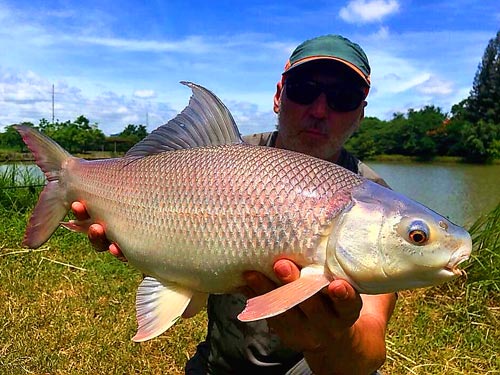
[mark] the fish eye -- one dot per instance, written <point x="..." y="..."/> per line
<point x="418" y="233"/>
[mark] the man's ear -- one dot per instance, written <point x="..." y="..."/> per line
<point x="277" y="96"/>
<point x="362" y="114"/>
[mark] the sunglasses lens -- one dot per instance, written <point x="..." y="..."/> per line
<point x="344" y="99"/>
<point x="302" y="92"/>
<point x="340" y="98"/>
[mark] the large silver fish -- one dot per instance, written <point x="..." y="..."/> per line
<point x="193" y="207"/>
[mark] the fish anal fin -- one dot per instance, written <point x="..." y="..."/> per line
<point x="159" y="306"/>
<point x="283" y="298"/>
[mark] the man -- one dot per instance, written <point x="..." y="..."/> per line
<point x="320" y="102"/>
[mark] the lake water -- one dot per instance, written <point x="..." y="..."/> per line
<point x="460" y="192"/>
<point x="17" y="172"/>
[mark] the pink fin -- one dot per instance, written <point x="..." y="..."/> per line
<point x="52" y="206"/>
<point x="283" y="298"/>
<point x="81" y="226"/>
<point x="46" y="216"/>
<point x="159" y="306"/>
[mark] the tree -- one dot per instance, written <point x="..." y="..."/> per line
<point x="127" y="138"/>
<point x="76" y="136"/>
<point x="484" y="99"/>
<point x="481" y="142"/>
<point x="134" y="131"/>
<point x="364" y="143"/>
<point x="11" y="138"/>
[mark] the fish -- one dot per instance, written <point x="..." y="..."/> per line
<point x="192" y="206"/>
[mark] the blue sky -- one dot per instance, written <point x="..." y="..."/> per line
<point x="120" y="62"/>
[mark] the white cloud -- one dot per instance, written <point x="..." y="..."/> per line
<point x="382" y="33"/>
<point x="192" y="44"/>
<point x="366" y="11"/>
<point x="145" y="94"/>
<point x="250" y="119"/>
<point x="435" y="86"/>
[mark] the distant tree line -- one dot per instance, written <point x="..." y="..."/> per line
<point x="471" y="131"/>
<point x="78" y="136"/>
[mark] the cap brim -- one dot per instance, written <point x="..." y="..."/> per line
<point x="331" y="58"/>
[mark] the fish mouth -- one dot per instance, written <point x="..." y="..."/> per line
<point x="458" y="257"/>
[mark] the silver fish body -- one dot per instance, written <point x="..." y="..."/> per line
<point x="200" y="217"/>
<point x="193" y="207"/>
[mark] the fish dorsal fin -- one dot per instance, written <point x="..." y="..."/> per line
<point x="206" y="121"/>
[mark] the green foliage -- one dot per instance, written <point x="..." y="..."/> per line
<point x="127" y="138"/>
<point x="416" y="134"/>
<point x="74" y="136"/>
<point x="367" y="142"/>
<point x="485" y="269"/>
<point x="419" y="133"/>
<point x="481" y="142"/>
<point x="484" y="99"/>
<point x="22" y="198"/>
<point x="137" y="131"/>
<point x="10" y="139"/>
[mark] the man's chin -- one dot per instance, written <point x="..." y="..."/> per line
<point x="317" y="149"/>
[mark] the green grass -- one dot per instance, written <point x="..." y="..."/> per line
<point x="68" y="309"/>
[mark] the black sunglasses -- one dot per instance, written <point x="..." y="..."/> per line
<point x="340" y="97"/>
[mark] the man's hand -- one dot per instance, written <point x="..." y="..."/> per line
<point x="338" y="331"/>
<point x="96" y="233"/>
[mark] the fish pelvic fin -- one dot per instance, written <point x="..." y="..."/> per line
<point x="52" y="206"/>
<point x="281" y="299"/>
<point x="158" y="306"/>
<point x="206" y="121"/>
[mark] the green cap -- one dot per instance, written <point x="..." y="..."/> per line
<point x="331" y="47"/>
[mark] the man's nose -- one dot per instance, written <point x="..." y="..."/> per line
<point x="319" y="108"/>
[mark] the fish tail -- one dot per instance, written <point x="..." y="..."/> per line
<point x="52" y="205"/>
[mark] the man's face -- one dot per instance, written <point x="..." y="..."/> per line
<point x="316" y="129"/>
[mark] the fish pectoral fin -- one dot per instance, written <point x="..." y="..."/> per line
<point x="159" y="306"/>
<point x="285" y="297"/>
<point x="198" y="302"/>
<point x="81" y="226"/>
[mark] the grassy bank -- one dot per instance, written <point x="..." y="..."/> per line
<point x="67" y="309"/>
<point x="8" y="156"/>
